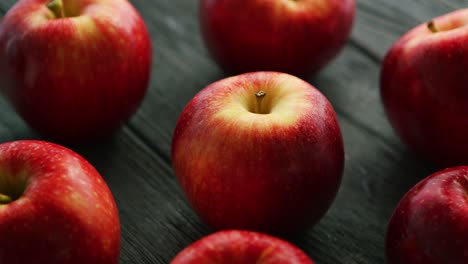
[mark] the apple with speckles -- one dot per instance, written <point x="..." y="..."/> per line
<point x="54" y="207"/>
<point x="424" y="89"/>
<point x="241" y="247"/>
<point x="74" y="70"/>
<point x="294" y="36"/>
<point x="259" y="151"/>
<point x="430" y="224"/>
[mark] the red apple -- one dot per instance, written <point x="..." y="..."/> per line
<point x="259" y="151"/>
<point x="241" y="247"/>
<point x="74" y="70"/>
<point x="424" y="89"/>
<point x="294" y="36"/>
<point x="430" y="224"/>
<point x="54" y="207"/>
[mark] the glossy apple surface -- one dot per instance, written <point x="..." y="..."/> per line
<point x="241" y="247"/>
<point x="423" y="88"/>
<point x="294" y="36"/>
<point x="430" y="224"/>
<point x="74" y="70"/>
<point x="259" y="151"/>
<point x="54" y="207"/>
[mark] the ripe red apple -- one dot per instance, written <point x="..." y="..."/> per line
<point x="430" y="224"/>
<point x="242" y="247"/>
<point x="294" y="36"/>
<point x="259" y="151"/>
<point x="74" y="70"/>
<point x="54" y="207"/>
<point x="423" y="88"/>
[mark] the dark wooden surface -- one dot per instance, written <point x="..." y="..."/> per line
<point x="157" y="221"/>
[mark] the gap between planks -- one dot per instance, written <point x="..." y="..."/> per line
<point x="373" y="57"/>
<point x="133" y="132"/>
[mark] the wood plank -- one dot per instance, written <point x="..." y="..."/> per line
<point x="6" y="4"/>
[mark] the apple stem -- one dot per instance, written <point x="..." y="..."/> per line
<point x="432" y="27"/>
<point x="260" y="95"/>
<point x="4" y="199"/>
<point x="56" y="6"/>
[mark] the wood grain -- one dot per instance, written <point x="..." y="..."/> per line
<point x="156" y="220"/>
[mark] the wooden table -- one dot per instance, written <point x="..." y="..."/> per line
<point x="157" y="221"/>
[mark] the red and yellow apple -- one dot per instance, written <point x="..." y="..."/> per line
<point x="241" y="247"/>
<point x="293" y="36"/>
<point x="424" y="89"/>
<point x="54" y="207"/>
<point x="430" y="224"/>
<point x="74" y="70"/>
<point x="259" y="151"/>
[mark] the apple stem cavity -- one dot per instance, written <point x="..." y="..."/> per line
<point x="432" y="27"/>
<point x="258" y="107"/>
<point x="5" y="199"/>
<point x="56" y="6"/>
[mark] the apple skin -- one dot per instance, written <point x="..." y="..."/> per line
<point x="296" y="37"/>
<point x="423" y="89"/>
<point x="430" y="224"/>
<point x="241" y="169"/>
<point x="243" y="247"/>
<point x="76" y="78"/>
<point x="66" y="214"/>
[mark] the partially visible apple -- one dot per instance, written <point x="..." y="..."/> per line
<point x="294" y="36"/>
<point x="424" y="89"/>
<point x="259" y="151"/>
<point x="430" y="224"/>
<point x="241" y="247"/>
<point x="74" y="70"/>
<point x="54" y="207"/>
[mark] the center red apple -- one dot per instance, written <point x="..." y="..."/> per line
<point x="259" y="151"/>
<point x="294" y="36"/>
<point x="74" y="70"/>
<point x="54" y="208"/>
